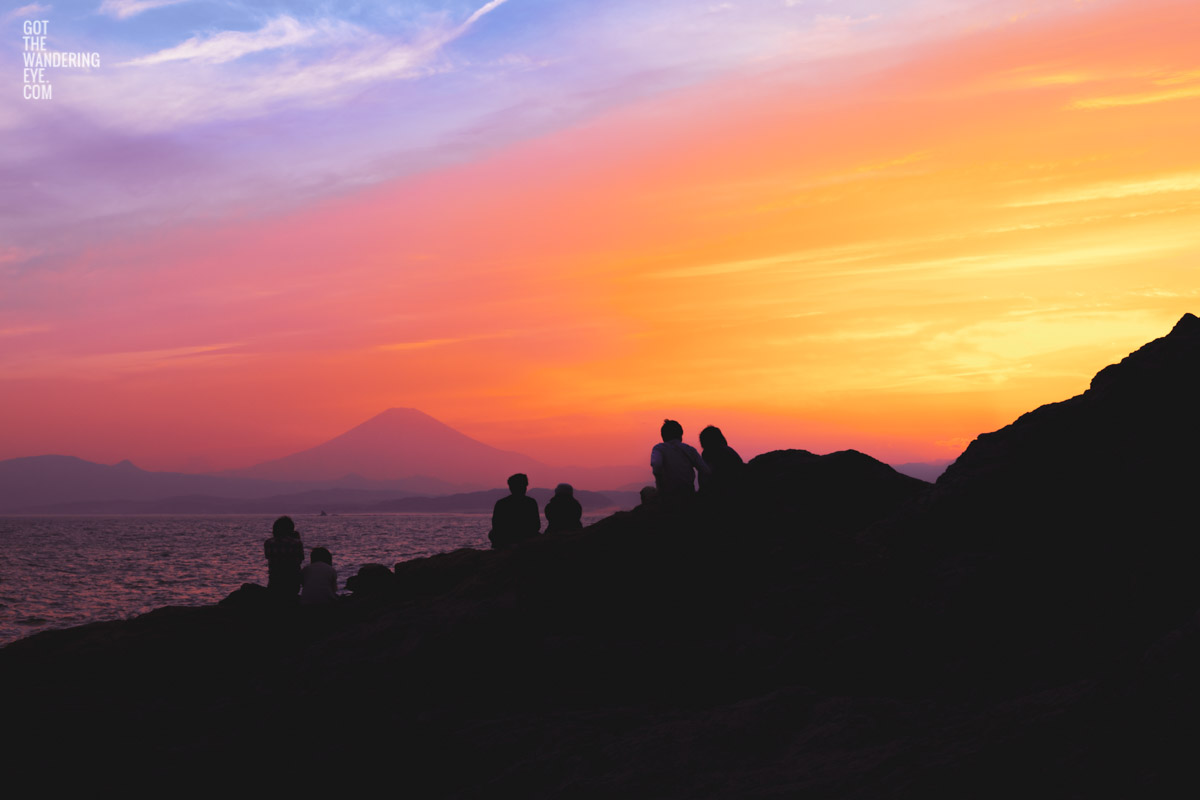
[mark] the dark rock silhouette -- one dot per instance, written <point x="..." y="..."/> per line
<point x="1077" y="522"/>
<point x="1119" y="458"/>
<point x="371" y="580"/>
<point x="862" y="635"/>
<point x="843" y="491"/>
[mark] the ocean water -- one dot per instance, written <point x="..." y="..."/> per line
<point x="62" y="571"/>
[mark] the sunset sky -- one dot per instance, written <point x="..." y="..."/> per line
<point x="882" y="224"/>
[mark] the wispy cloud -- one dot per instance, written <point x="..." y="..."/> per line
<point x="1183" y="85"/>
<point x="1115" y="190"/>
<point x="12" y="255"/>
<point x="25" y="331"/>
<point x="899" y="331"/>
<point x="218" y="48"/>
<point x="422" y="344"/>
<point x="124" y="9"/>
<point x="345" y="58"/>
<point x="484" y="9"/>
<point x="34" y="365"/>
<point x="1139" y="99"/>
<point x="31" y="10"/>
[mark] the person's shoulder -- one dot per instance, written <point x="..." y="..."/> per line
<point x="512" y="500"/>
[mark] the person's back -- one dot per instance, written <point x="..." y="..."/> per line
<point x="563" y="511"/>
<point x="675" y="464"/>
<point x="515" y="518"/>
<point x="727" y="468"/>
<point x="284" y="552"/>
<point x="318" y="580"/>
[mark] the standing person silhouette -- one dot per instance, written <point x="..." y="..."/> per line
<point x="515" y="518"/>
<point x="675" y="466"/>
<point x="285" y="553"/>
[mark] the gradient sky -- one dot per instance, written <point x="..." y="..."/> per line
<point x="816" y="223"/>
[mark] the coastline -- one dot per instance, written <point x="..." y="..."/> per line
<point x="72" y="570"/>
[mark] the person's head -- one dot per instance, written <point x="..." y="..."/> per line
<point x="712" y="437"/>
<point x="671" y="430"/>
<point x="321" y="554"/>
<point x="283" y="527"/>
<point x="565" y="490"/>
<point x="517" y="484"/>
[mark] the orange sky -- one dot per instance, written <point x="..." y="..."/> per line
<point x="912" y="249"/>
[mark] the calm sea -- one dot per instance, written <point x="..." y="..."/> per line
<point x="61" y="571"/>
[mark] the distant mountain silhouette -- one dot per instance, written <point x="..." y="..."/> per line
<point x="401" y="443"/>
<point x="69" y="485"/>
<point x="41" y="481"/>
<point x="484" y="501"/>
<point x="924" y="470"/>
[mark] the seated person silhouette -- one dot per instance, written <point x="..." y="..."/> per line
<point x="563" y="512"/>
<point x="318" y="581"/>
<point x="515" y="518"/>
<point x="675" y="466"/>
<point x="285" y="553"/>
<point x="728" y="469"/>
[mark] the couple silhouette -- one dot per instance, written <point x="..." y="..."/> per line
<point x="515" y="518"/>
<point x="677" y="466"/>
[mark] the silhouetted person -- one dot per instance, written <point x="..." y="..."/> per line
<point x="728" y="469"/>
<point x="285" y="553"/>
<point x="515" y="518"/>
<point x="563" y="512"/>
<point x="675" y="465"/>
<point x="318" y="581"/>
